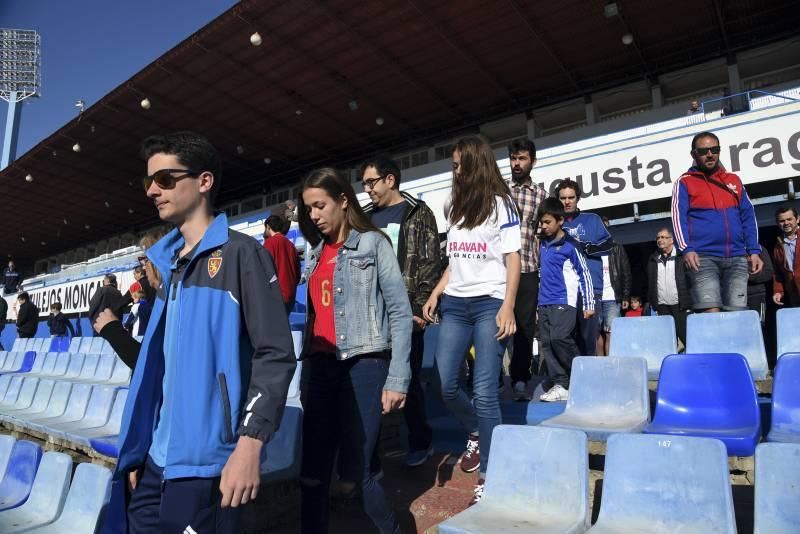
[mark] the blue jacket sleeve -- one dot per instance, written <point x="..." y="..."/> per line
<point x="680" y="217"/>
<point x="748" y="217"/>
<point x="585" y="278"/>
<point x="599" y="242"/>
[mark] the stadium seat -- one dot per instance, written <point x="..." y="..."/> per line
<point x="25" y="396"/>
<point x="47" y="496"/>
<point x="738" y="332"/>
<point x="777" y="488"/>
<point x="96" y="414"/>
<point x="6" y="446"/>
<point x="284" y="450"/>
<point x="75" y="366"/>
<point x="48" y="364"/>
<point x="19" y="345"/>
<point x="665" y="484"/>
<point x="788" y="334"/>
<point x="106" y="446"/>
<point x="37" y="344"/>
<point x="651" y="338"/>
<point x="606" y="395"/>
<point x="38" y="363"/>
<point x="55" y="407"/>
<point x="89" y="367"/>
<point x="86" y="344"/>
<point x="537" y="481"/>
<point x="297" y="321"/>
<point x="59" y="344"/>
<point x="107" y="348"/>
<point x="87" y="496"/>
<point x="5" y="380"/>
<point x="12" y="392"/>
<point x="785" y="424"/>
<point x="3" y="355"/>
<point x="708" y="395"/>
<point x="74" y="410"/>
<point x="96" y="347"/>
<point x="121" y="375"/>
<point x="41" y="399"/>
<point x="74" y="344"/>
<point x="83" y="436"/>
<point x="294" y="385"/>
<point x="18" y="478"/>
<point x="61" y="365"/>
<point x="103" y="370"/>
<point x="14" y="362"/>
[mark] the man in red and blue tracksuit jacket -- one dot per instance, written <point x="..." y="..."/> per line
<point x="715" y="229"/>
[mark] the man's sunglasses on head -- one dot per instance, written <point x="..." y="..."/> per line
<point x="165" y="179"/>
<point x="704" y="151"/>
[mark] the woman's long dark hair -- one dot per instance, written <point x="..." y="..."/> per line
<point x="472" y="194"/>
<point x="335" y="185"/>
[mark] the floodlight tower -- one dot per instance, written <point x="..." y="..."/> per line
<point x="20" y="78"/>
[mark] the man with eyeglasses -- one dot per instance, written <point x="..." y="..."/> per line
<point x="667" y="287"/>
<point x="716" y="230"/>
<point x="215" y="364"/>
<point x="411" y="226"/>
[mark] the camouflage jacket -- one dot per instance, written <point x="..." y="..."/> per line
<point x="418" y="251"/>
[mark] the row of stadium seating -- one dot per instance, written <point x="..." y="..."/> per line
<point x="538" y="478"/>
<point x="36" y="494"/>
<point x="83" y="345"/>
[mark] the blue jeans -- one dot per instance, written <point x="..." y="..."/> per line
<point x="342" y="405"/>
<point x="720" y="283"/>
<point x="471" y="321"/>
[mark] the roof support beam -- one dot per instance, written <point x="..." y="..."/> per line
<point x="723" y="30"/>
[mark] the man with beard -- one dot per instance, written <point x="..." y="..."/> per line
<point x="786" y="284"/>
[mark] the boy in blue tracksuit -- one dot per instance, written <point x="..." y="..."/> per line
<point x="212" y="376"/>
<point x="564" y="273"/>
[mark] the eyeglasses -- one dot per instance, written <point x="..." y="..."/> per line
<point x="369" y="183"/>
<point x="164" y="178"/>
<point x="704" y="151"/>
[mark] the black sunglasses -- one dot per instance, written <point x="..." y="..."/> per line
<point x="369" y="183"/>
<point x="704" y="151"/>
<point x="164" y="178"/>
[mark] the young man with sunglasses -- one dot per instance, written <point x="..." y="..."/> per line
<point x="715" y="229"/>
<point x="215" y="364"/>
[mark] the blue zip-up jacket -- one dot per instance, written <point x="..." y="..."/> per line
<point x="234" y="361"/>
<point x="590" y="234"/>
<point x="713" y="215"/>
<point x="563" y="273"/>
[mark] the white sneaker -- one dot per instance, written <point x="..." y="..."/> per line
<point x="521" y="392"/>
<point x="557" y="393"/>
<point x="477" y="492"/>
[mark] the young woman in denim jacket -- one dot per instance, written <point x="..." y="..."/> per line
<point x="356" y="348"/>
<point x="478" y="292"/>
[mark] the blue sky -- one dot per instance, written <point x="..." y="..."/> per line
<point x="89" y="47"/>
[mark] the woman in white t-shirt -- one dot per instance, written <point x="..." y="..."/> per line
<point x="478" y="292"/>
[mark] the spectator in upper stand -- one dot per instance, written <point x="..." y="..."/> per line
<point x="27" y="316"/>
<point x="411" y="226"/>
<point x="107" y="296"/>
<point x="694" y="107"/>
<point x="11" y="280"/>
<point x="564" y="275"/>
<point x="284" y="255"/>
<point x="58" y="322"/>
<point x="616" y="291"/>
<point x="667" y="285"/>
<point x="594" y="241"/>
<point x="786" y="283"/>
<point x="528" y="196"/>
<point x="291" y="212"/>
<point x="757" y="287"/>
<point x="715" y="226"/>
<point x="136" y="323"/>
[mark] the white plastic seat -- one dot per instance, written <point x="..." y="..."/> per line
<point x="95" y="415"/>
<point x="109" y="428"/>
<point x="737" y="332"/>
<point x="75" y="366"/>
<point x="6" y="446"/>
<point x="75" y="344"/>
<point x="41" y="399"/>
<point x="47" y="496"/>
<point x="24" y="398"/>
<point x="121" y="374"/>
<point x="73" y="410"/>
<point x="89" y="367"/>
<point x="777" y="488"/>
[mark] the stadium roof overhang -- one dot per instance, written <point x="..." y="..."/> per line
<point x="424" y="70"/>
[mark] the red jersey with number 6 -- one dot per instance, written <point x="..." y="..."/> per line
<point x="320" y="289"/>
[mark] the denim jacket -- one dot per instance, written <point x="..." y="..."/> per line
<point x="370" y="303"/>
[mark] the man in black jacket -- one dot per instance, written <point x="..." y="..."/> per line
<point x="667" y="287"/>
<point x="107" y="296"/>
<point x="27" y="316"/>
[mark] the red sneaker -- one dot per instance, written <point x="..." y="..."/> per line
<point x="471" y="459"/>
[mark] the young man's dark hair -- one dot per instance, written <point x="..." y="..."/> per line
<point x="552" y="206"/>
<point x="784" y="209"/>
<point x="56" y="306"/>
<point x="24" y="297"/>
<point x="192" y="150"/>
<point x="569" y="184"/>
<point x="276" y="223"/>
<point x="701" y="135"/>
<point x="111" y="279"/>
<point x="522" y="145"/>
<point x="385" y="166"/>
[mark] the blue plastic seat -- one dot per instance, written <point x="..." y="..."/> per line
<point x="55" y="407"/>
<point x="785" y="424"/>
<point x="24" y="398"/>
<point x="106" y="348"/>
<point x="708" y="395"/>
<point x="121" y="375"/>
<point x="89" y="367"/>
<point x="96" y="346"/>
<point x="12" y="392"/>
<point x="41" y="399"/>
<point x="36" y="344"/>
<point x="38" y="363"/>
<point x="537" y="481"/>
<point x="105" y="366"/>
<point x="651" y="337"/>
<point x="47" y="496"/>
<point x="86" y="344"/>
<point x="19" y="344"/>
<point x="6" y="446"/>
<point x="75" y="366"/>
<point x="106" y="446"/>
<point x="88" y="494"/>
<point x="18" y="478"/>
<point x="98" y="410"/>
<point x="74" y="344"/>
<point x="284" y="450"/>
<point x="3" y="355"/>
<point x="738" y="332"/>
<point x="61" y="365"/>
<point x="788" y="334"/>
<point x="14" y="362"/>
<point x="83" y="435"/>
<point x="297" y="321"/>
<point x="74" y="411"/>
<point x="606" y="395"/>
<point x="665" y="484"/>
<point x="777" y="497"/>
<point x="48" y="364"/>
